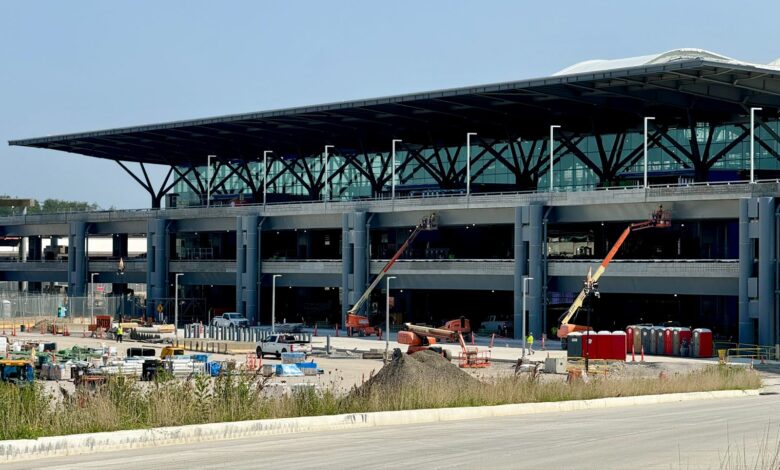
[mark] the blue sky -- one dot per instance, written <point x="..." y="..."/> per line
<point x="85" y="65"/>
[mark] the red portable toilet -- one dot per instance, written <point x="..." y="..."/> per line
<point x="685" y="341"/>
<point x="604" y="349"/>
<point x="702" y="343"/>
<point x="618" y="340"/>
<point x="587" y="344"/>
<point x="668" y="341"/>
<point x="629" y="339"/>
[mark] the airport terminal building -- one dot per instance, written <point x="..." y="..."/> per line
<point x="532" y="182"/>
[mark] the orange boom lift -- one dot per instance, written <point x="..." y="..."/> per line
<point x="659" y="219"/>
<point x="360" y="323"/>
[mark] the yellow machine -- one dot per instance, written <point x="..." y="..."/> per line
<point x="170" y="351"/>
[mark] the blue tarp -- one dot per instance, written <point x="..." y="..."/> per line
<point x="288" y="370"/>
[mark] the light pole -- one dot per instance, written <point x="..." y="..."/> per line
<point x="387" y="316"/>
<point x="273" y="302"/>
<point x="176" y="304"/>
<point x="92" y="303"/>
<point x="552" y="153"/>
<point x="525" y="293"/>
<point x="392" y="184"/>
<point x="647" y="118"/>
<point x="265" y="173"/>
<point x="208" y="179"/>
<point x="325" y="181"/>
<point x="753" y="143"/>
<point x="468" y="162"/>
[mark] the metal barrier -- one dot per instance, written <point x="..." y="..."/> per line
<point x="752" y="352"/>
<point x="251" y="334"/>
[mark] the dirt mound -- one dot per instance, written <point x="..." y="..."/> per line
<point x="425" y="369"/>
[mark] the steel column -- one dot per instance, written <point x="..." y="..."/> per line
<point x="77" y="259"/>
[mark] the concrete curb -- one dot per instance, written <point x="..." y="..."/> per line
<point x="58" y="446"/>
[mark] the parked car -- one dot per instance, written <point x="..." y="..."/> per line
<point x="278" y="344"/>
<point x="230" y="319"/>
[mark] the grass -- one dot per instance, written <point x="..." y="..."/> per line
<point x="30" y="412"/>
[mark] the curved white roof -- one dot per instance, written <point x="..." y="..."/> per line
<point x="674" y="55"/>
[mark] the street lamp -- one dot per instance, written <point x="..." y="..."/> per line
<point x="273" y="302"/>
<point x="552" y="153"/>
<point x="647" y="118"/>
<point x="208" y="179"/>
<point x="325" y="182"/>
<point x="753" y="143"/>
<point x="387" y="316"/>
<point x="468" y="162"/>
<point x="265" y="174"/>
<point x="92" y="303"/>
<point x="525" y="293"/>
<point x="392" y="184"/>
<point x="176" y="304"/>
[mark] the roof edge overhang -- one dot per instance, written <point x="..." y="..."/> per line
<point x="443" y="93"/>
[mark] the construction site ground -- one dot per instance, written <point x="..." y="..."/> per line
<point x="345" y="368"/>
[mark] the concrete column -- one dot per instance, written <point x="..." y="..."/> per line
<point x="534" y="298"/>
<point x="521" y="258"/>
<point x="249" y="223"/>
<point x="77" y="259"/>
<point x="745" y="270"/>
<point x="157" y="265"/>
<point x="346" y="267"/>
<point x="766" y="271"/>
<point x="119" y="250"/>
<point x="360" y="257"/>
<point x="240" y="265"/>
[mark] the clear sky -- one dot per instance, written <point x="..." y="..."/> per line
<point x="72" y="66"/>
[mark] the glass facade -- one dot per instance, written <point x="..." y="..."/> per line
<point x="678" y="155"/>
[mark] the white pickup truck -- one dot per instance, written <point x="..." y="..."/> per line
<point x="230" y="319"/>
<point x="278" y="344"/>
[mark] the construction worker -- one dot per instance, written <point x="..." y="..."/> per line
<point x="530" y="340"/>
<point x="119" y="333"/>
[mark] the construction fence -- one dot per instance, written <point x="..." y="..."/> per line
<point x="23" y="307"/>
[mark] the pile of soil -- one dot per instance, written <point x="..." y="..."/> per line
<point x="422" y="369"/>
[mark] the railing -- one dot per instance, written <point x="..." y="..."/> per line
<point x="761" y="187"/>
<point x="236" y="333"/>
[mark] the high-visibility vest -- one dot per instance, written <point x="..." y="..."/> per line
<point x="119" y="330"/>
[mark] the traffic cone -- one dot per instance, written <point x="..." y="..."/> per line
<point x="543" y="346"/>
<point x="13" y="331"/>
<point x="492" y="338"/>
<point x="315" y="329"/>
<point x="65" y="331"/>
<point x="633" y="356"/>
<point x="337" y="330"/>
<point x="643" y="353"/>
<point x="472" y="338"/>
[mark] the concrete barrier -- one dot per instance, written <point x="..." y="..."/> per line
<point x="57" y="446"/>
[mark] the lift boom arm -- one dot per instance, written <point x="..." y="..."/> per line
<point x="428" y="223"/>
<point x="660" y="219"/>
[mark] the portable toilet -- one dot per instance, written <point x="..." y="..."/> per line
<point x="629" y="338"/>
<point x="702" y="343"/>
<point x="618" y="340"/>
<point x="668" y="341"/>
<point x="646" y="343"/>
<point x="637" y="338"/>
<point x="653" y="341"/>
<point x="658" y="331"/>
<point x="575" y="344"/>
<point x="589" y="344"/>
<point x="685" y="341"/>
<point x="603" y="345"/>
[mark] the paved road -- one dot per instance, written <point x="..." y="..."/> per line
<point x="670" y="436"/>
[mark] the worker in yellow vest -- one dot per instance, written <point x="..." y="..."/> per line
<point x="119" y="333"/>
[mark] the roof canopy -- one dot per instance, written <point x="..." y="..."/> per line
<point x="676" y="87"/>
